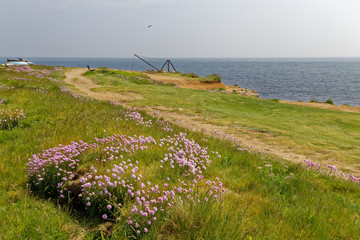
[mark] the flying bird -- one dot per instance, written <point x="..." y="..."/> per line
<point x="149" y="26"/>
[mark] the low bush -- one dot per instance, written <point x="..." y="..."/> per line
<point x="213" y="78"/>
<point x="190" y="75"/>
<point x="329" y="101"/>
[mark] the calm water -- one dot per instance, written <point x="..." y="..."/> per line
<point x="290" y="79"/>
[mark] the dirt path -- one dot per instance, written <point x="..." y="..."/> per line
<point x="85" y="87"/>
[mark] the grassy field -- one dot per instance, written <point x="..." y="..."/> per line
<point x="323" y="135"/>
<point x="263" y="199"/>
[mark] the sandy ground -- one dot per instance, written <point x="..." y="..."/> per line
<point x="85" y="86"/>
<point x="183" y="82"/>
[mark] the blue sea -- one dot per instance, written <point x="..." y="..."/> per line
<point x="296" y="79"/>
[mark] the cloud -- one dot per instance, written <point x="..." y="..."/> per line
<point x="98" y="3"/>
<point x="130" y="3"/>
<point x="54" y="4"/>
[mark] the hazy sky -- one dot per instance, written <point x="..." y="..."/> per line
<point x="180" y="28"/>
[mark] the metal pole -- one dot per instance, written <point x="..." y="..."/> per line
<point x="163" y="65"/>
<point x="172" y="65"/>
<point x="145" y="61"/>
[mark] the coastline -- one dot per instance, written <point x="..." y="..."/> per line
<point x="285" y="78"/>
<point x="190" y="83"/>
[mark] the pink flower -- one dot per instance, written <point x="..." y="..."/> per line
<point x="104" y="216"/>
<point x="134" y="209"/>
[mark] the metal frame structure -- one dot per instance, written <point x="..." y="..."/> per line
<point x="167" y="62"/>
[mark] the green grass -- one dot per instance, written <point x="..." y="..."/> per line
<point x="213" y="78"/>
<point x="283" y="201"/>
<point x="190" y="75"/>
<point x="117" y="77"/>
<point x="323" y="135"/>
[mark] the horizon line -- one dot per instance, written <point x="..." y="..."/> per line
<point x="191" y="57"/>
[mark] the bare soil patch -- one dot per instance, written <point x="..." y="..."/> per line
<point x="193" y="83"/>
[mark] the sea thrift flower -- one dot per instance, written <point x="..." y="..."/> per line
<point x="311" y="164"/>
<point x="101" y="186"/>
<point x="332" y="168"/>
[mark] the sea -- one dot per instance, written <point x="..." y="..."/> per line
<point x="295" y="79"/>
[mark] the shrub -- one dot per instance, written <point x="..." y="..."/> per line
<point x="329" y="101"/>
<point x="190" y="75"/>
<point x="213" y="78"/>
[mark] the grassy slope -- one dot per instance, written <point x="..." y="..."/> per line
<point x="334" y="134"/>
<point x="259" y="204"/>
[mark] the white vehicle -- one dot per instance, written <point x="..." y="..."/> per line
<point x="20" y="61"/>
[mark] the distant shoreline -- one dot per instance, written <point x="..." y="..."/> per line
<point x="287" y="78"/>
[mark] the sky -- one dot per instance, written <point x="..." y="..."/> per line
<point x="180" y="28"/>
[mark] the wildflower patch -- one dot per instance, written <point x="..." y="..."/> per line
<point x="103" y="179"/>
<point x="10" y="118"/>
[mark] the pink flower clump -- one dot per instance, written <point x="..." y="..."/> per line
<point x="105" y="190"/>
